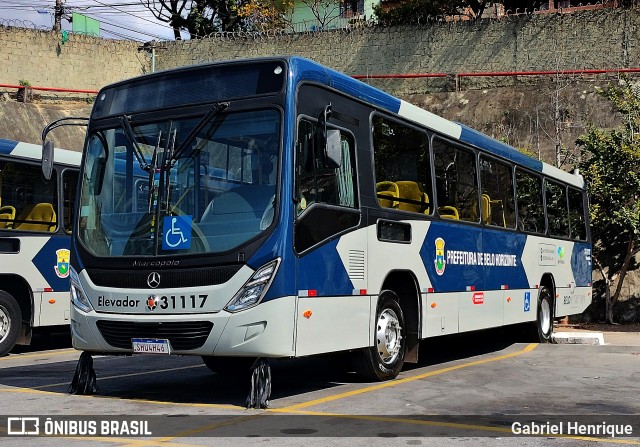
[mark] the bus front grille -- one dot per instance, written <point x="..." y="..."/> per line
<point x="138" y="279"/>
<point x="182" y="335"/>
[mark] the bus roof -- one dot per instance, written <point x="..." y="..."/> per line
<point x="34" y="152"/>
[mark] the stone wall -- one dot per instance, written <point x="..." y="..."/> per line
<point x="604" y="39"/>
<point x="81" y="63"/>
<point x="601" y="39"/>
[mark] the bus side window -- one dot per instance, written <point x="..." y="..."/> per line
<point x="530" y="205"/>
<point x="498" y="208"/>
<point x="320" y="183"/>
<point x="402" y="167"/>
<point x="456" y="184"/>
<point x="576" y="215"/>
<point x="557" y="211"/>
<point x="32" y="201"/>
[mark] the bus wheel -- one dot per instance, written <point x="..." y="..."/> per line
<point x="228" y="366"/>
<point x="544" y="318"/>
<point x="385" y="359"/>
<point x="10" y="322"/>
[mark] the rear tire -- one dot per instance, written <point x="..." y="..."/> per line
<point x="10" y="322"/>
<point x="541" y="330"/>
<point x="544" y="315"/>
<point x="385" y="359"/>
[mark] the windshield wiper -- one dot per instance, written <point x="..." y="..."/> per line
<point x="128" y="131"/>
<point x="167" y="155"/>
<point x="152" y="199"/>
<point x="217" y="108"/>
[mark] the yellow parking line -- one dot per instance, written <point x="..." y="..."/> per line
<point x="37" y="354"/>
<point x="144" y="373"/>
<point x="204" y="428"/>
<point x="127" y="442"/>
<point x="487" y="428"/>
<point x="157" y="402"/>
<point x="391" y="383"/>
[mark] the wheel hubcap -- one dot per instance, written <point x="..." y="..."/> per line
<point x="545" y="317"/>
<point x="5" y="323"/>
<point x="388" y="336"/>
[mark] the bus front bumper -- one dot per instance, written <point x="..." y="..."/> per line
<point x="266" y="330"/>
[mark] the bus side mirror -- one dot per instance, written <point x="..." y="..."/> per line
<point x="333" y="149"/>
<point x="47" y="159"/>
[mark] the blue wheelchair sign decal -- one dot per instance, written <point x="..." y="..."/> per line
<point x="176" y="232"/>
<point x="527" y="301"/>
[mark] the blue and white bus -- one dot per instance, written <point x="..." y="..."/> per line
<point x="286" y="210"/>
<point x="35" y="235"/>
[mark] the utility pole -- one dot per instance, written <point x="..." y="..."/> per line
<point x="151" y="47"/>
<point x="57" y="14"/>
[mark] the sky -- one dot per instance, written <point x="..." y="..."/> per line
<point x="119" y="19"/>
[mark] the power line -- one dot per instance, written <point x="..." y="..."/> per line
<point x="128" y="29"/>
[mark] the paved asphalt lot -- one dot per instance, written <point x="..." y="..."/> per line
<point x="467" y="390"/>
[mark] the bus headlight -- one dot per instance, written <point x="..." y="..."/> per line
<point x="78" y="297"/>
<point x="254" y="289"/>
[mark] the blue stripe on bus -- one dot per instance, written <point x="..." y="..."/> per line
<point x="7" y="146"/>
<point x="581" y="264"/>
<point x="46" y="262"/>
<point x="479" y="139"/>
<point x="472" y="257"/>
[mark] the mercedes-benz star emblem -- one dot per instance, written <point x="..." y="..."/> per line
<point x="153" y="280"/>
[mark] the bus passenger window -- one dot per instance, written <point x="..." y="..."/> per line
<point x="557" y="211"/>
<point x="403" y="172"/>
<point x="530" y="207"/>
<point x="576" y="215"/>
<point x="456" y="185"/>
<point x="497" y="199"/>
<point x="28" y="203"/>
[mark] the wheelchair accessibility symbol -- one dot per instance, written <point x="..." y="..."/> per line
<point x="527" y="301"/>
<point x="176" y="232"/>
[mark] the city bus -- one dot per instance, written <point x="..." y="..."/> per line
<point x="276" y="208"/>
<point x="35" y="237"/>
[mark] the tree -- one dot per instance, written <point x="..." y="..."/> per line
<point x="263" y="15"/>
<point x="208" y="16"/>
<point x="199" y="17"/>
<point x="168" y="11"/>
<point x="324" y="11"/>
<point x="413" y="12"/>
<point x="611" y="167"/>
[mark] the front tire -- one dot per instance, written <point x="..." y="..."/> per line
<point x="10" y="322"/>
<point x="228" y="366"/>
<point x="385" y="359"/>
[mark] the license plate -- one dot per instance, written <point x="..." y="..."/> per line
<point x="150" y="346"/>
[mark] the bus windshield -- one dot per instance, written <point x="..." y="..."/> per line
<point x="180" y="186"/>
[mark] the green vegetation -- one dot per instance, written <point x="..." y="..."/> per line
<point x="611" y="167"/>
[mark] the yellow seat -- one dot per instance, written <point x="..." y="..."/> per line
<point x="448" y="212"/>
<point x="486" y="209"/>
<point x="387" y="192"/>
<point x="38" y="217"/>
<point x="418" y="201"/>
<point x="7" y="215"/>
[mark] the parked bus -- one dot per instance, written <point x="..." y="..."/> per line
<point x="35" y="228"/>
<point x="288" y="210"/>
